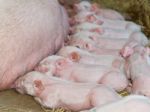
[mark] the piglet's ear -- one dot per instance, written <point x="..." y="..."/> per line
<point x="74" y="56"/>
<point x="39" y="85"/>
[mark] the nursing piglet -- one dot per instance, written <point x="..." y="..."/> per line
<point x="90" y="45"/>
<point x="82" y="56"/>
<point x="86" y="16"/>
<point x="52" y="92"/>
<point x="102" y="31"/>
<point x="77" y="72"/>
<point x="133" y="103"/>
<point x="107" y="13"/>
<point x="106" y="43"/>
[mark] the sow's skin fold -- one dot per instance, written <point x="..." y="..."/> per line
<point x="53" y="92"/>
<point x="30" y="31"/>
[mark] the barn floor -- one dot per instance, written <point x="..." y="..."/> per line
<point x="11" y="101"/>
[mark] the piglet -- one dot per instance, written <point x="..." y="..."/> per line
<point x="133" y="103"/>
<point x="82" y="6"/>
<point x="79" y="40"/>
<point x="139" y="71"/>
<point x="136" y="39"/>
<point x="52" y="92"/>
<point x="82" y="56"/>
<point x="107" y="13"/>
<point x="106" y="43"/>
<point x="102" y="31"/>
<point x="77" y="72"/>
<point x="86" y="16"/>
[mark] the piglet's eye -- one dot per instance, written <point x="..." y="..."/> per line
<point x="77" y="46"/>
<point x="87" y="45"/>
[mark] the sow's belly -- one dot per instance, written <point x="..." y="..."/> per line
<point x="30" y="31"/>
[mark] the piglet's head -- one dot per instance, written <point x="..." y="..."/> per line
<point x="83" y="44"/>
<point x="48" y="64"/>
<point x="30" y="84"/>
<point x="91" y="18"/>
<point x="19" y="85"/>
<point x="84" y="5"/>
<point x="25" y="87"/>
<point x="62" y="64"/>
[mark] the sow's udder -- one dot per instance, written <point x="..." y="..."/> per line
<point x="30" y="31"/>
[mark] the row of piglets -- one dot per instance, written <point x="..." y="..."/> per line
<point x="86" y="13"/>
<point x="98" y="34"/>
<point x="53" y="83"/>
<point x="104" y="36"/>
